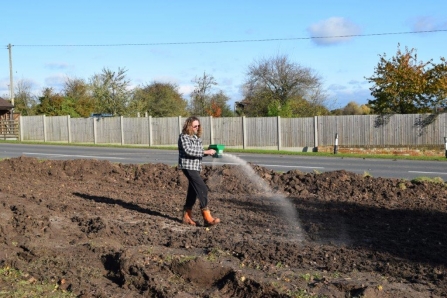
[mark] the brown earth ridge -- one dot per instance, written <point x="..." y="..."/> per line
<point x="100" y="229"/>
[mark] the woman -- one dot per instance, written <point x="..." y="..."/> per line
<point x="191" y="152"/>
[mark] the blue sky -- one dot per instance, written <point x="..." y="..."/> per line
<point x="176" y="41"/>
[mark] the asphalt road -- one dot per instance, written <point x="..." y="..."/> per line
<point x="386" y="168"/>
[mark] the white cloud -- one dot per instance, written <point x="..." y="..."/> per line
<point x="166" y="79"/>
<point x="4" y="84"/>
<point x="4" y="89"/>
<point x="186" y="90"/>
<point x="343" y="96"/>
<point x="336" y="87"/>
<point x="334" y="27"/>
<point x="56" y="82"/>
<point x="425" y="23"/>
<point x="57" y="65"/>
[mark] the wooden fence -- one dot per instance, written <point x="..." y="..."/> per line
<point x="301" y="134"/>
<point x="9" y="129"/>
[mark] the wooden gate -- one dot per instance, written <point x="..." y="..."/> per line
<point x="9" y="129"/>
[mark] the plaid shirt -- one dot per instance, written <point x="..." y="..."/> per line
<point x="190" y="151"/>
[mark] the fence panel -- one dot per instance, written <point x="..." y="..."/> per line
<point x="297" y="132"/>
<point x="165" y="131"/>
<point x="262" y="132"/>
<point x="57" y="129"/>
<point x="108" y="130"/>
<point x="228" y="131"/>
<point x="9" y="129"/>
<point x="32" y="128"/>
<point x="136" y="131"/>
<point x="82" y="130"/>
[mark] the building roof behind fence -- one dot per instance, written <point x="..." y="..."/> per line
<point x="5" y="104"/>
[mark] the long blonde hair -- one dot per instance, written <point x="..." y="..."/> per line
<point x="187" y="126"/>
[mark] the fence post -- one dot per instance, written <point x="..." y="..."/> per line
<point x="44" y="128"/>
<point x="211" y="130"/>
<point x="445" y="141"/>
<point x="150" y="131"/>
<point x="336" y="144"/>
<point x="278" y="131"/>
<point x="122" y="129"/>
<point x="20" y="128"/>
<point x="68" y="129"/>
<point x="94" y="130"/>
<point x="180" y="124"/>
<point x="244" y="138"/>
<point x="316" y="131"/>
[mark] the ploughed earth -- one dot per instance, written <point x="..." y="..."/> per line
<point x="99" y="229"/>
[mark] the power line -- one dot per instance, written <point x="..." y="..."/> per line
<point x="228" y="41"/>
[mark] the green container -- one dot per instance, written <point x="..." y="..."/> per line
<point x="219" y="149"/>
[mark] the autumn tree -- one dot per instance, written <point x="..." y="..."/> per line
<point x="159" y="100"/>
<point x="437" y="86"/>
<point x="218" y="106"/>
<point x="301" y="107"/>
<point x="55" y="104"/>
<point x="200" y="97"/>
<point x="273" y="84"/>
<point x="110" y="90"/>
<point x="205" y="102"/>
<point x="404" y="85"/>
<point x="353" y="108"/>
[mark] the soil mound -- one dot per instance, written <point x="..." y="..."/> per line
<point x="99" y="229"/>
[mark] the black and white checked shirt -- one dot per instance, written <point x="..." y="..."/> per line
<point x="190" y="151"/>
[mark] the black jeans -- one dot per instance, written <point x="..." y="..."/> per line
<point x="196" y="189"/>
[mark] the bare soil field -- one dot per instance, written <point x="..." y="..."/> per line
<point x="99" y="229"/>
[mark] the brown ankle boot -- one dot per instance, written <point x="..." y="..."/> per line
<point x="208" y="219"/>
<point x="187" y="217"/>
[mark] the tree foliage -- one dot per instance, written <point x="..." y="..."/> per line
<point x="79" y="92"/>
<point x="275" y="85"/>
<point x="219" y="105"/>
<point x="159" y="100"/>
<point x="110" y="90"/>
<point x="55" y="104"/>
<point x="404" y="85"/>
<point x="204" y="102"/>
<point x="353" y="108"/>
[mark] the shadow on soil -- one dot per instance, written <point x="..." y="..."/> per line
<point x="127" y="205"/>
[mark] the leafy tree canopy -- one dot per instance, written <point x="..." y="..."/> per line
<point x="159" y="100"/>
<point x="54" y="104"/>
<point x="110" y="90"/>
<point x="404" y="85"/>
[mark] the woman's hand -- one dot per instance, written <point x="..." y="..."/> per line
<point x="209" y="152"/>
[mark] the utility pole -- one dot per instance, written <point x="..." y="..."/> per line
<point x="11" y="80"/>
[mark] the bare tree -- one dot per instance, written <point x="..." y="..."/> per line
<point x="280" y="80"/>
<point x="25" y="101"/>
<point x="200" y="97"/>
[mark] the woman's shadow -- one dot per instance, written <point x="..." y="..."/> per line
<point x="127" y="205"/>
